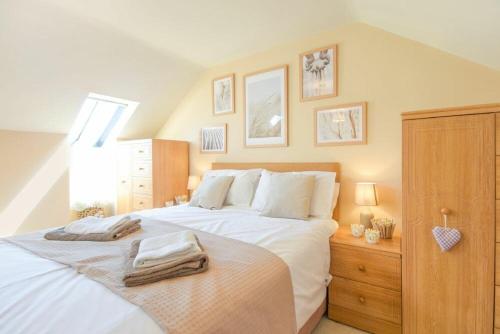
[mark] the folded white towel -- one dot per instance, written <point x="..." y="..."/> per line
<point x="95" y="225"/>
<point x="166" y="248"/>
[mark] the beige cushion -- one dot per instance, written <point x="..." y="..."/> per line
<point x="289" y="195"/>
<point x="212" y="192"/>
<point x="243" y="187"/>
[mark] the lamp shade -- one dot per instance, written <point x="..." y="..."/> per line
<point x="365" y="194"/>
<point x="193" y="182"/>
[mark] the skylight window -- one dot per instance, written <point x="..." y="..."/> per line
<point x="100" y="120"/>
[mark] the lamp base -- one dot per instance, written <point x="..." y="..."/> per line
<point x="365" y="219"/>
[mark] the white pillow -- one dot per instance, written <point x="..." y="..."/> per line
<point x="259" y="199"/>
<point x="243" y="187"/>
<point x="212" y="192"/>
<point x="289" y="195"/>
<point x="323" y="194"/>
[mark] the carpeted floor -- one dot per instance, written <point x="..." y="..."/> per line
<point x="327" y="326"/>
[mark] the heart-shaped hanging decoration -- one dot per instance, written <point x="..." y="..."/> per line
<point x="446" y="237"/>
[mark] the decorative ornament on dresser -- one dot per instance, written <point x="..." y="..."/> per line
<point x="213" y="139"/>
<point x="357" y="230"/>
<point x="372" y="236"/>
<point x="223" y="95"/>
<point x="385" y="226"/>
<point x="83" y="210"/>
<point x="266" y="107"/>
<point x="318" y="73"/>
<point x="340" y="125"/>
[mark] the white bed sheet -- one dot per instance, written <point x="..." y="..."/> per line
<point x="42" y="296"/>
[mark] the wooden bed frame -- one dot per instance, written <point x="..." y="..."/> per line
<point x="287" y="167"/>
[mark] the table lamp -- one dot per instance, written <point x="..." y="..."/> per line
<point x="193" y="182"/>
<point x="365" y="196"/>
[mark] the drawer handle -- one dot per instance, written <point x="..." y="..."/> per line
<point x="141" y="202"/>
<point x="140" y="168"/>
<point x="362" y="299"/>
<point x="141" y="186"/>
<point x="141" y="151"/>
<point x="361" y="268"/>
<point x="123" y="181"/>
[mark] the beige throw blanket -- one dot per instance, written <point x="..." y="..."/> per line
<point x="247" y="289"/>
<point x="188" y="265"/>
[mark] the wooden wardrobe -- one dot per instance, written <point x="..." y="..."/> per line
<point x="450" y="162"/>
<point x="150" y="173"/>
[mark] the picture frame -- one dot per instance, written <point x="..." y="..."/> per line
<point x="318" y="73"/>
<point x="213" y="139"/>
<point x="223" y="95"/>
<point x="341" y="125"/>
<point x="266" y="107"/>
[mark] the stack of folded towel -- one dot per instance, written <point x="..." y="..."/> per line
<point x="96" y="229"/>
<point x="167" y="256"/>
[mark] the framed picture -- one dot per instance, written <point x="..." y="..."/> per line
<point x="318" y="73"/>
<point x="213" y="139"/>
<point x="266" y="107"/>
<point x="340" y="125"/>
<point x="223" y="95"/>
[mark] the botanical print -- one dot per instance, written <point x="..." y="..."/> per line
<point x="213" y="139"/>
<point x="265" y="108"/>
<point x="341" y="125"/>
<point x="223" y="95"/>
<point x="318" y="77"/>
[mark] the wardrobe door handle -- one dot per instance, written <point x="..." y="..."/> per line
<point x="361" y="268"/>
<point x="141" y="186"/>
<point x="362" y="299"/>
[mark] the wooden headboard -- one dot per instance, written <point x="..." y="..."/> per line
<point x="287" y="167"/>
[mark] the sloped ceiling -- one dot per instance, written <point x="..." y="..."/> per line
<point x="56" y="51"/>
<point x="50" y="59"/>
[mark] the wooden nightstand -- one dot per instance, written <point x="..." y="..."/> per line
<point x="365" y="291"/>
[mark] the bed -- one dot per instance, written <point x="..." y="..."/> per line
<point x="38" y="295"/>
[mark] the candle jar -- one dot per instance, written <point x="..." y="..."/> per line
<point x="181" y="199"/>
<point x="372" y="236"/>
<point x="357" y="230"/>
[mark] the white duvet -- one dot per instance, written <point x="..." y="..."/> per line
<point x="42" y="296"/>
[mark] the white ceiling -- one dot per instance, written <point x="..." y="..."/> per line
<point x="56" y="51"/>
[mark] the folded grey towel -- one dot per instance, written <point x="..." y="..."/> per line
<point x="189" y="265"/>
<point x="115" y="234"/>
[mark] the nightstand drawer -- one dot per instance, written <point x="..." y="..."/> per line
<point x="366" y="299"/>
<point x="361" y="321"/>
<point x="366" y="266"/>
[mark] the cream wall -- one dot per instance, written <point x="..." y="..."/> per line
<point x="391" y="73"/>
<point x="34" y="181"/>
